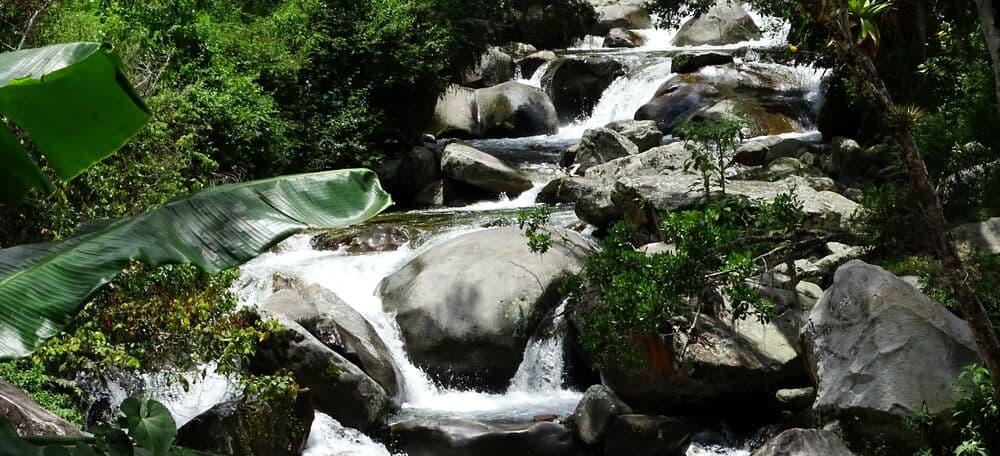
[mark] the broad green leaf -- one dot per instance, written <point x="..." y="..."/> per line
<point x="43" y="286"/>
<point x="114" y="441"/>
<point x="76" y="105"/>
<point x="150" y="425"/>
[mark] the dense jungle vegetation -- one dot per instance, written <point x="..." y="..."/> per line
<point x="251" y="89"/>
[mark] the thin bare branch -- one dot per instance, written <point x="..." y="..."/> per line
<point x="31" y="23"/>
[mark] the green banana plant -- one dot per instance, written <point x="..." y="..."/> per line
<point x="76" y="106"/>
<point x="43" y="286"/>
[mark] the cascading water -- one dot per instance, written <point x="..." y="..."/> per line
<point x="537" y="387"/>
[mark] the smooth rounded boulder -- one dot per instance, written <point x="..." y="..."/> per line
<point x="601" y="145"/>
<point x="278" y="426"/>
<point x="340" y="388"/>
<point x="804" y="442"/>
<point x="596" y="412"/>
<point x="881" y="352"/>
<point x="507" y="110"/>
<point x="772" y="98"/>
<point x="467" y="307"/>
<point x="648" y="435"/>
<point x="514" y="110"/>
<point x="494" y="67"/>
<point x="479" y="169"/>
<point x="643" y="133"/>
<point x="620" y="37"/>
<point x="621" y="15"/>
<point x="725" y="23"/>
<point x="340" y="327"/>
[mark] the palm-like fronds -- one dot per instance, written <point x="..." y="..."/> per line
<point x="865" y="13"/>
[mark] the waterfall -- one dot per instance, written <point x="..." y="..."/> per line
<point x="327" y="437"/>
<point x="623" y="98"/>
<point x="354" y="278"/>
<point x="537" y="386"/>
<point x="543" y="365"/>
<point x="536" y="77"/>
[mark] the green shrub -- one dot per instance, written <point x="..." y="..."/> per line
<point x="172" y="317"/>
<point x="54" y="394"/>
<point x="976" y="413"/>
<point x="623" y="292"/>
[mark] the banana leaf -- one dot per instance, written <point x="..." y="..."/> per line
<point x="43" y="286"/>
<point x="76" y="106"/>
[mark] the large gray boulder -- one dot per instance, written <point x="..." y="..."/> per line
<point x="804" y="442"/>
<point x="278" y="427"/>
<point x="474" y="167"/>
<point x="640" y="199"/>
<point x="340" y="388"/>
<point x="620" y="37"/>
<point x="771" y="97"/>
<point x="754" y="153"/>
<point x="596" y="412"/>
<point x="513" y="110"/>
<point x="592" y="198"/>
<point x="467" y="307"/>
<point x="339" y="327"/>
<point x="982" y="237"/>
<point x="507" y="110"/>
<point x="452" y="437"/>
<point x="577" y="84"/>
<point x="643" y="133"/>
<point x="601" y="145"/>
<point x="725" y="23"/>
<point x="29" y="418"/>
<point x="494" y="67"/>
<point x="666" y="160"/>
<point x="648" y="435"/>
<point x="455" y="114"/>
<point x="880" y="351"/>
<point x="405" y="175"/>
<point x="624" y="15"/>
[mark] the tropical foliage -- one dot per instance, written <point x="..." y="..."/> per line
<point x="151" y="431"/>
<point x="622" y="292"/>
<point x="75" y="104"/>
<point x="42" y="286"/>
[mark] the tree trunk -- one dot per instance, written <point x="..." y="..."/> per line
<point x="837" y="22"/>
<point x="989" y="17"/>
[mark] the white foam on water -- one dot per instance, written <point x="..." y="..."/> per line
<point x="327" y="437"/>
<point x="205" y="389"/>
<point x="622" y="98"/>
<point x="355" y="279"/>
<point x="536" y="77"/>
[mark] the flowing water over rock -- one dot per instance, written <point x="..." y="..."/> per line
<point x="538" y="386"/>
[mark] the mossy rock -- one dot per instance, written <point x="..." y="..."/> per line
<point x="276" y="426"/>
